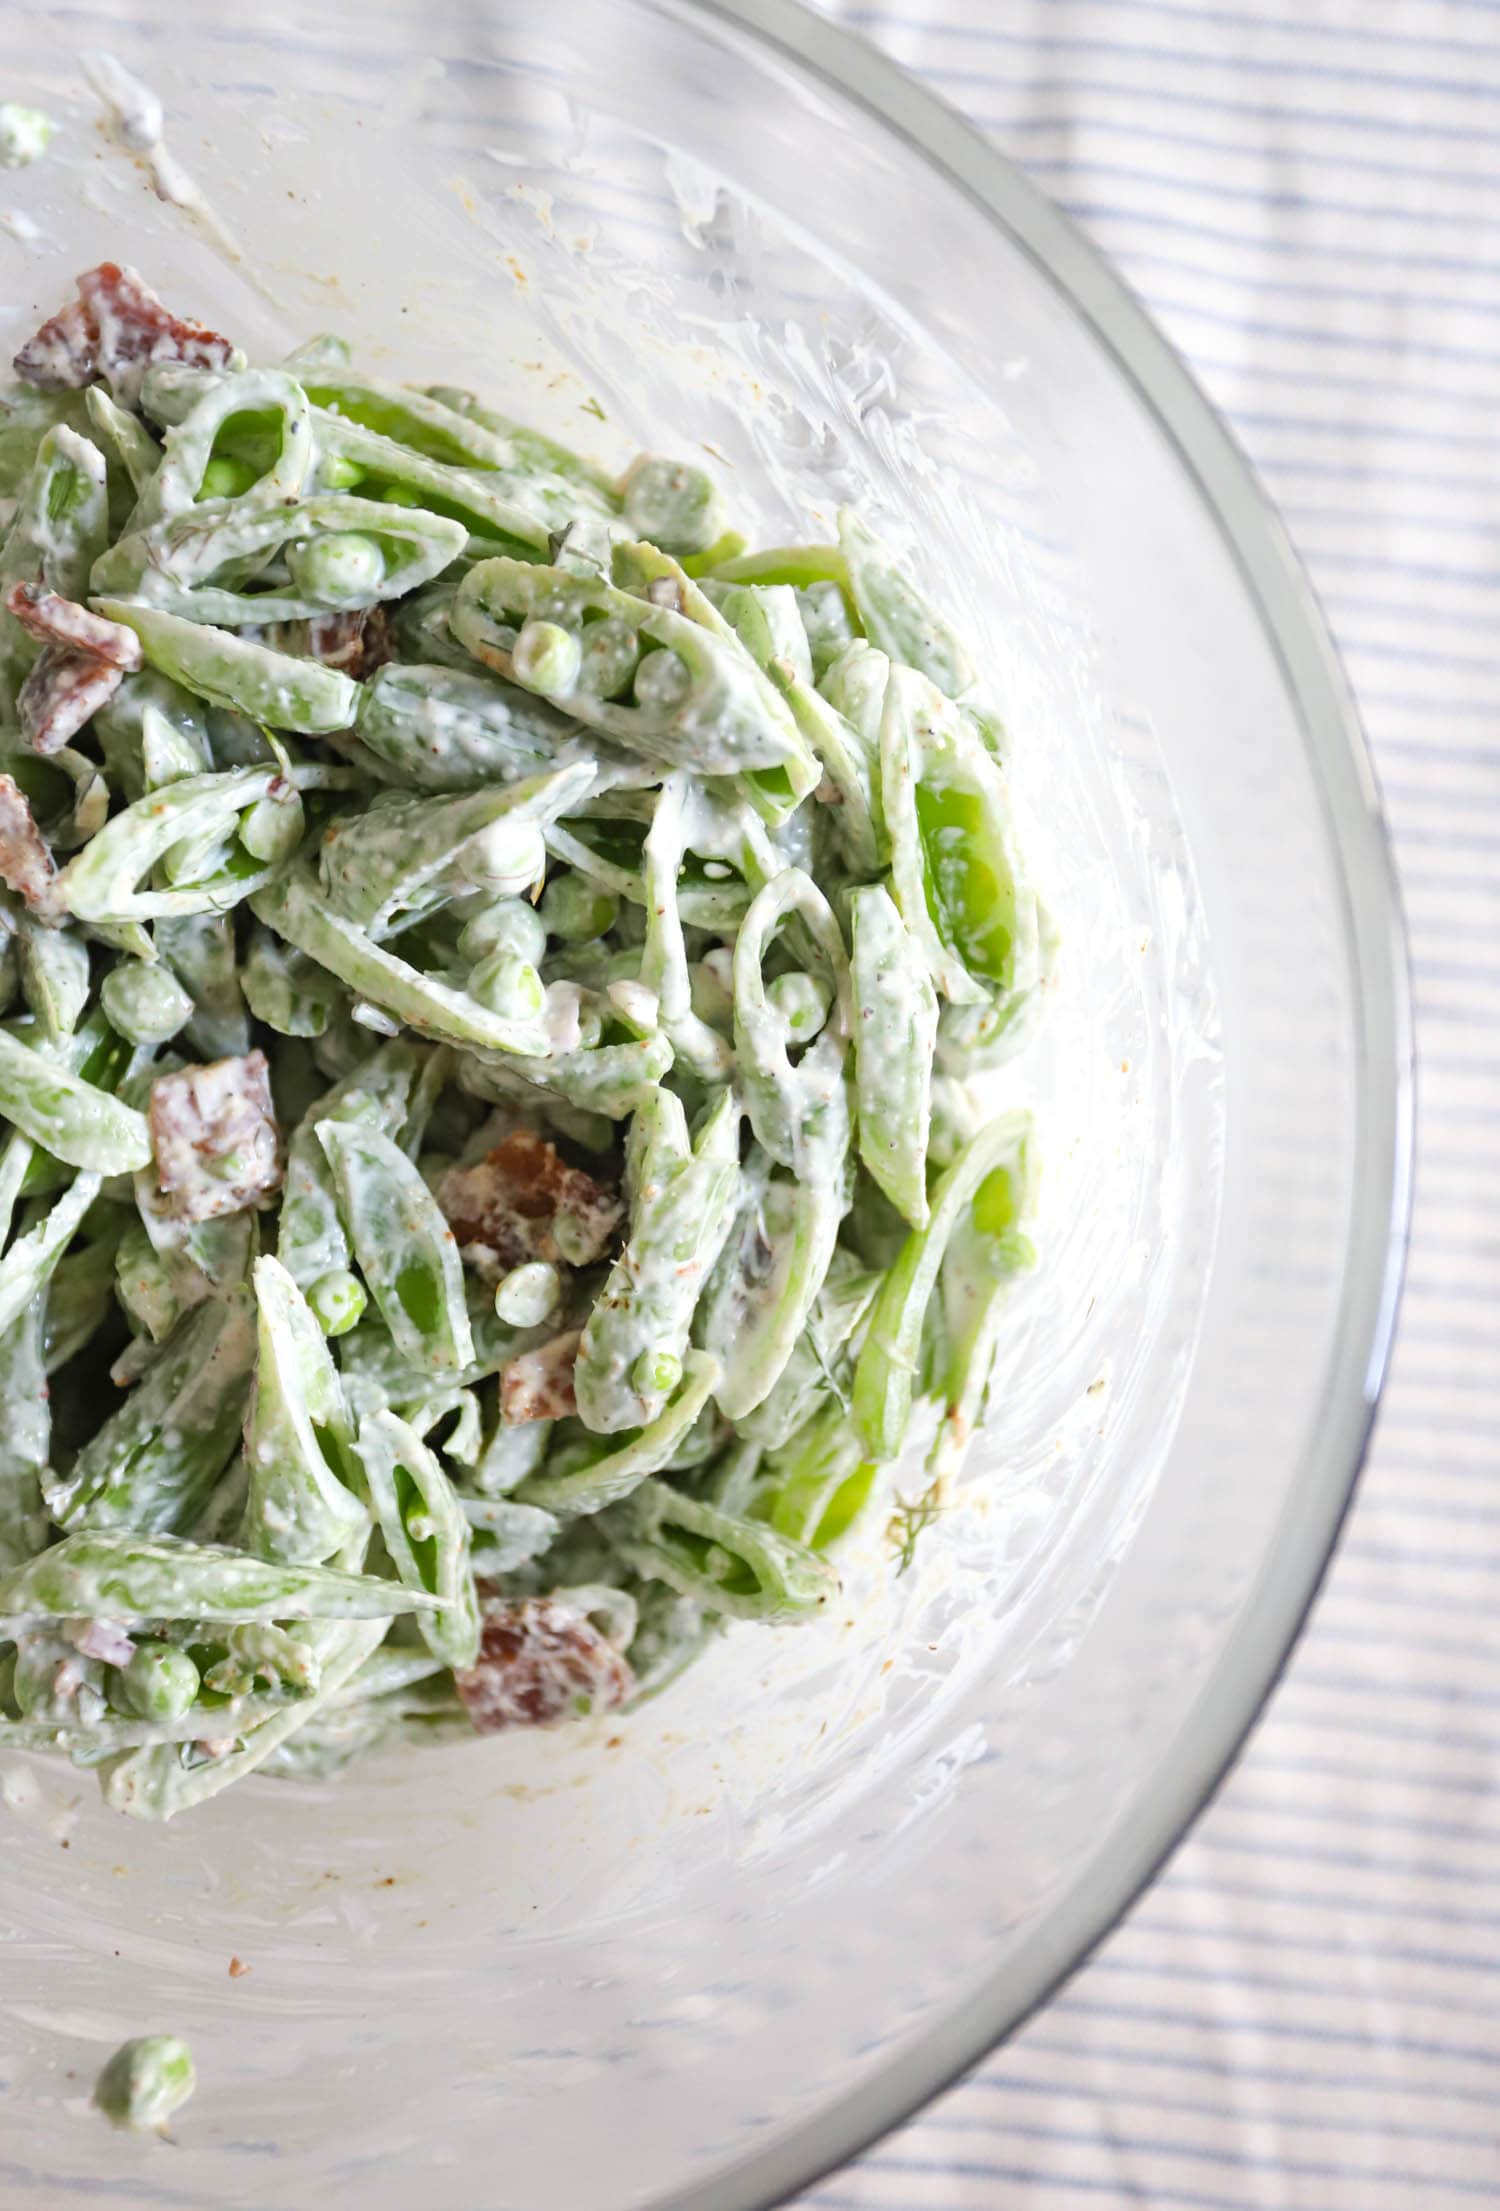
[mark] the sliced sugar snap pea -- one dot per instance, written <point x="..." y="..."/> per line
<point x="233" y="671"/>
<point x="407" y="1253"/>
<point x="117" y="1575"/>
<point x="884" y="1379"/>
<point x="425" y="1531"/>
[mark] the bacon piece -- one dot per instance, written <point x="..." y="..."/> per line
<point x="523" y="1201"/>
<point x="214" y="1133"/>
<point x="53" y="620"/>
<point x="26" y="863"/>
<point x="62" y="690"/>
<point x="82" y="660"/>
<point x="357" y="642"/>
<point x="539" y="1384"/>
<point x="540" y="1663"/>
<point x="105" y="1640"/>
<point x="115" y="329"/>
<point x="62" y="354"/>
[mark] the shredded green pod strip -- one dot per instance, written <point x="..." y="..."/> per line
<point x="120" y="1576"/>
<point x="425" y="1531"/>
<point x="405" y="1248"/>
<point x="623" y="1465"/>
<point x="884" y="1379"/>
<point x="235" y="672"/>
<point x="299" y="1438"/>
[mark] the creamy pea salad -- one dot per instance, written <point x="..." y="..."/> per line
<point x="498" y="986"/>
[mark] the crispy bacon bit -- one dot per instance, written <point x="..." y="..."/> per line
<point x="62" y="354"/>
<point x="26" y="864"/>
<point x="540" y="1663"/>
<point x="115" y="329"/>
<point x="82" y="661"/>
<point x="539" y="1384"/>
<point x="53" y="620"/>
<point x="357" y="643"/>
<point x="105" y="1640"/>
<point x="523" y="1201"/>
<point x="63" y="689"/>
<point x="214" y="1132"/>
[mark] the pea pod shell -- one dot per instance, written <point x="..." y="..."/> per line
<point x="458" y="729"/>
<point x="311" y="1241"/>
<point x="70" y="1118"/>
<point x="895" y="616"/>
<point x="606" y="1480"/>
<point x="298" y="1435"/>
<point x="122" y="1575"/>
<point x="425" y="1531"/>
<point x="100" y="883"/>
<point x="271" y="687"/>
<point x="406" y="1250"/>
<point x="895" y="1037"/>
<point x="955" y="868"/>
<point x="683" y="1209"/>
<point x="295" y="907"/>
<point x="885" y="1377"/>
<point x="766" y="1576"/>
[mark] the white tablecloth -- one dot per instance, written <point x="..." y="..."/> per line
<point x="1304" y="2013"/>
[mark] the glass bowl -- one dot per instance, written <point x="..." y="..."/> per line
<point x="695" y="1957"/>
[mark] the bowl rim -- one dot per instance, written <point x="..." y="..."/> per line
<point x="1293" y="1571"/>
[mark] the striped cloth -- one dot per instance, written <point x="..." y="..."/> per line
<point x="1304" y="2012"/>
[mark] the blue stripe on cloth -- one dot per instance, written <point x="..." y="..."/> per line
<point x="1304" y="2013"/>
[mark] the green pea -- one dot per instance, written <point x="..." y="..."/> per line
<point x="146" y="2081"/>
<point x="575" y="911"/>
<point x="656" y="1373"/>
<point x="525" y="1296"/>
<point x="337" y="1300"/>
<point x="272" y="828"/>
<point x="511" y="922"/>
<point x="335" y="473"/>
<point x="609" y="652"/>
<point x="226" y="478"/>
<point x="803" y="1001"/>
<point x="157" y="1682"/>
<point x="143" y="1002"/>
<point x="662" y="681"/>
<point x="546" y="658"/>
<point x="508" y="985"/>
<point x="398" y="495"/>
<point x="506" y="857"/>
<point x="345" y="568"/>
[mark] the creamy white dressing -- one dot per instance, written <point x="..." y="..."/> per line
<point x="23" y="228"/>
<point x="134" y="119"/>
